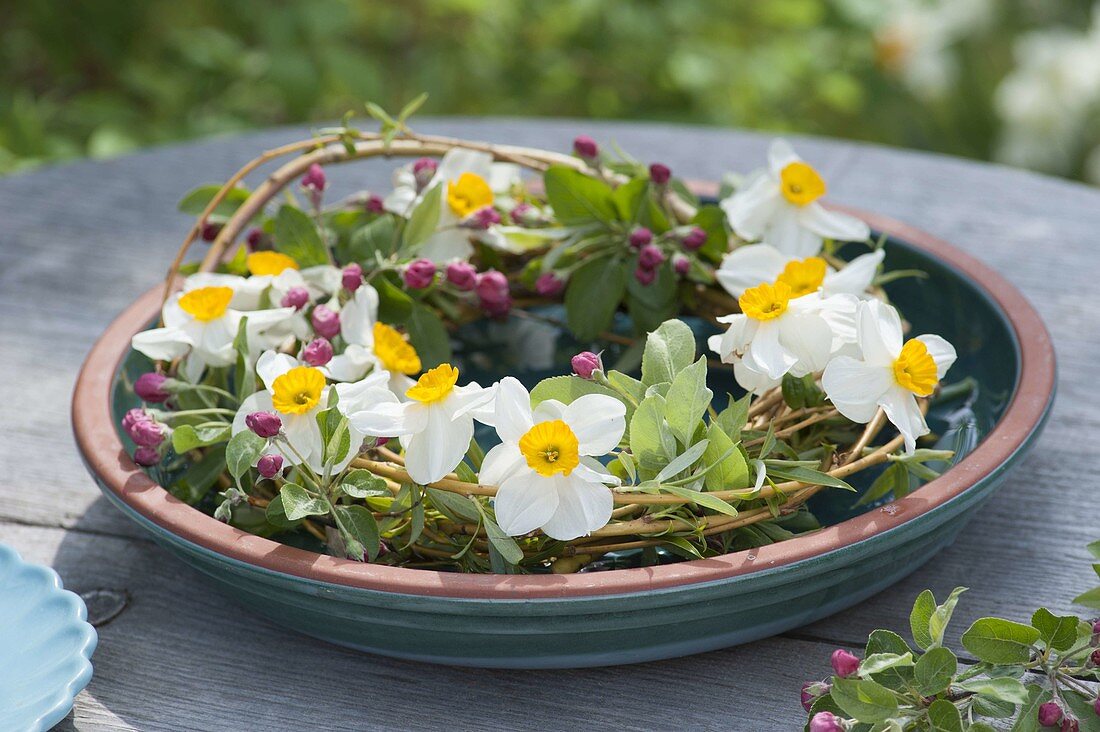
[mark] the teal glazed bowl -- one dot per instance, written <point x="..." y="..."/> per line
<point x="624" y="615"/>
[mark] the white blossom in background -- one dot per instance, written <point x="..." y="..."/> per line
<point x="372" y="346"/>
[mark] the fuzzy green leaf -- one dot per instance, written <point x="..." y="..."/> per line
<point x="578" y="199"/>
<point x="999" y="641"/>
<point x="668" y="350"/>
<point x="687" y="401"/>
<point x="593" y="295"/>
<point x="296" y="236"/>
<point x="424" y="218"/>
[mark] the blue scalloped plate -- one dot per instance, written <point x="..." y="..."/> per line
<point x="46" y="645"/>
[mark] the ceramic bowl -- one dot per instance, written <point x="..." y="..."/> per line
<point x="624" y="615"/>
<point x="46" y="645"/>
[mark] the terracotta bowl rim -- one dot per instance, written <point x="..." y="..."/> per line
<point x="103" y="452"/>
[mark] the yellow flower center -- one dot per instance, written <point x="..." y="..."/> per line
<point x="206" y="303"/>
<point x="467" y="194"/>
<point x="765" y="302"/>
<point x="269" y="263"/>
<point x="395" y="353"/>
<point x="298" y="390"/>
<point x="800" y="183"/>
<point x="915" y="369"/>
<point x="435" y="385"/>
<point x="550" y="447"/>
<point x="803" y="276"/>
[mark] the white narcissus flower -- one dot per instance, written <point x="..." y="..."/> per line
<point x="890" y="374"/>
<point x="435" y="424"/>
<point x="471" y="181"/>
<point x="545" y="468"/>
<point x="200" y="325"/>
<point x="747" y="266"/>
<point x="780" y="206"/>
<point x="776" y="333"/>
<point x="372" y="346"/>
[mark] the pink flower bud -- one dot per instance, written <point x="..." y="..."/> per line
<point x="314" y="179"/>
<point x="352" y="277"/>
<point x="525" y="214"/>
<point x="254" y="238"/>
<point x="1096" y="706"/>
<point x="146" y="456"/>
<point x="1095" y="657"/>
<point x="462" y="275"/>
<point x="585" y="147"/>
<point x="845" y="664"/>
<point x="492" y="288"/>
<point x="659" y="173"/>
<point x="295" y="297"/>
<point x="1050" y="714"/>
<point x="694" y="239"/>
<point x="497" y="308"/>
<point x="549" y="284"/>
<point x="650" y="257"/>
<point x="375" y="205"/>
<point x="420" y="274"/>
<point x="1070" y="723"/>
<point x="1096" y="627"/>
<point x="210" y="231"/>
<point x="811" y="690"/>
<point x="825" y="722"/>
<point x="483" y="218"/>
<point x="269" y="465"/>
<point x="681" y="265"/>
<point x="645" y="276"/>
<point x="640" y="237"/>
<point x="424" y="170"/>
<point x="147" y="433"/>
<point x="132" y="417"/>
<point x="264" y="424"/>
<point x="586" y="363"/>
<point x="318" y="352"/>
<point x="325" y="321"/>
<point x="150" y="387"/>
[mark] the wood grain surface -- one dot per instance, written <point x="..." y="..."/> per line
<point x="79" y="242"/>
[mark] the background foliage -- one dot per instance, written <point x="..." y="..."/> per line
<point x="1013" y="80"/>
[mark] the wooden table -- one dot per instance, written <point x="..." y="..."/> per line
<point x="79" y="242"/>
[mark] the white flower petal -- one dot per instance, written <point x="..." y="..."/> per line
<point x="162" y="344"/>
<point x="751" y="208"/>
<point x="547" y="410"/>
<point x="468" y="398"/>
<point x="351" y="365"/>
<point x="748" y="266"/>
<point x="855" y="387"/>
<point x="390" y="418"/>
<point x="752" y="380"/>
<point x="524" y="503"/>
<point x="879" y="332"/>
<point x="833" y="224"/>
<point x="593" y="471"/>
<point x="766" y="352"/>
<point x="780" y="155"/>
<point x="787" y="234"/>
<point x="360" y="395"/>
<point x="446" y="245"/>
<point x="358" y="315"/>
<point x="856" y="276"/>
<point x="501" y="463"/>
<point x="271" y="365"/>
<point x="942" y="352"/>
<point x="809" y="338"/>
<point x="512" y="414"/>
<point x="582" y="508"/>
<point x="438" y="449"/>
<point x="901" y="409"/>
<point x="598" y="421"/>
<point x="304" y="435"/>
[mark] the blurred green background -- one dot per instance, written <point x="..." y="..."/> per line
<point x="1011" y="80"/>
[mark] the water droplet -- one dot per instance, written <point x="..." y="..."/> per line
<point x="750" y="557"/>
<point x="890" y="509"/>
<point x="105" y="605"/>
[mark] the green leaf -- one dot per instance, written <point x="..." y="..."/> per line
<point x="242" y="452"/>
<point x="650" y="305"/>
<point x="298" y="504"/>
<point x="199" y="478"/>
<point x="733" y="418"/>
<point x="593" y="295"/>
<point x="923" y="608"/>
<point x="701" y="499"/>
<point x="1057" y="631"/>
<point x="576" y="198"/>
<point x="1027" y="720"/>
<point x="805" y="475"/>
<point x="1089" y="599"/>
<point x="627" y="385"/>
<point x="506" y="545"/>
<point x="934" y="671"/>
<point x="712" y="219"/>
<point x="186" y="437"/>
<point x="943" y="716"/>
<point x="453" y="506"/>
<point x="361" y="483"/>
<point x="885" y="641"/>
<point x="879" y="662"/>
<point x="394" y="304"/>
<point x="376" y="237"/>
<point x="802" y="391"/>
<point x="335" y="434"/>
<point x="1002" y="688"/>
<point x="424" y="218"/>
<point x="895" y="479"/>
<point x="276" y="514"/>
<point x="1000" y="641"/>
<point x="360" y="524"/>
<point x="668" y="350"/>
<point x="197" y="199"/>
<point x="732" y="472"/>
<point x="687" y="400"/>
<point x="567" y="389"/>
<point x="651" y="441"/>
<point x="682" y="462"/>
<point x="428" y="336"/>
<point x="864" y="700"/>
<point x="941" y="616"/>
<point x="296" y="236"/>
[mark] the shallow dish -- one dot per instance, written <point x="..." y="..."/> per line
<point x="624" y="615"/>
<point x="46" y="643"/>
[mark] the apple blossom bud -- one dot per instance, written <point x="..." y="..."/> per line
<point x="318" y="352"/>
<point x="132" y="417"/>
<point x="147" y="433"/>
<point x="845" y="664"/>
<point x="210" y="231"/>
<point x="352" y="277"/>
<point x="811" y="690"/>
<point x="694" y="239"/>
<point x="492" y="288"/>
<point x="1050" y="714"/>
<point x="650" y="257"/>
<point x="1096" y="706"/>
<point x="484" y="218"/>
<point x="295" y="297"/>
<point x="1070" y="723"/>
<point x="585" y="147"/>
<point x="586" y="363"/>
<point x="420" y="274"/>
<point x="825" y="722"/>
<point x="645" y="276"/>
<point x="525" y="214"/>
<point x="549" y="284"/>
<point x="146" y="456"/>
<point x="254" y="238"/>
<point x="264" y="424"/>
<point x="659" y="173"/>
<point x="150" y="387"/>
<point x="325" y="321"/>
<point x="1095" y="657"/>
<point x="681" y="265"/>
<point x="640" y="237"/>
<point x="269" y="465"/>
<point x="375" y="205"/>
<point x="314" y="179"/>
<point x="462" y="275"/>
<point x="497" y="308"/>
<point x="424" y="170"/>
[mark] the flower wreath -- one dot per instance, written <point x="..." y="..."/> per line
<point x="305" y="385"/>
